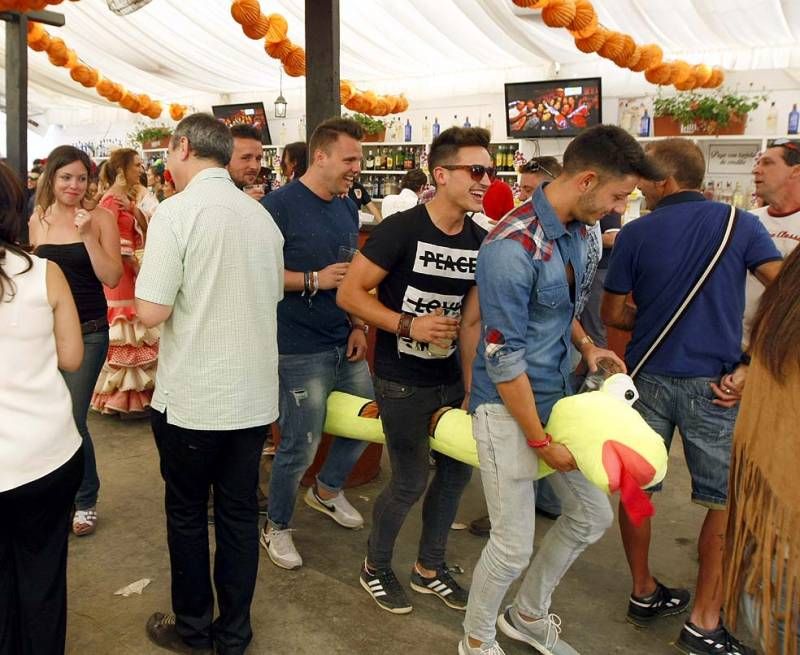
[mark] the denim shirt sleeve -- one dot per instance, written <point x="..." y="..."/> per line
<point x="505" y="275"/>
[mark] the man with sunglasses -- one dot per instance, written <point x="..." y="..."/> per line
<point x="777" y="180"/>
<point x="422" y="262"/>
<point x="531" y="276"/>
<point x="534" y="172"/>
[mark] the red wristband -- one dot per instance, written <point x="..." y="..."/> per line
<point x="540" y="444"/>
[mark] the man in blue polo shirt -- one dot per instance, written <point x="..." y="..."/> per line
<point x="693" y="380"/>
<point x="321" y="348"/>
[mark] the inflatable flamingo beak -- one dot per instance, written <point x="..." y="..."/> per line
<point x="628" y="472"/>
<point x="620" y="386"/>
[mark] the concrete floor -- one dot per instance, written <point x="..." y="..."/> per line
<point x="321" y="608"/>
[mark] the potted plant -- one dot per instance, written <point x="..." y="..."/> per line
<point x="720" y="112"/>
<point x="374" y="128"/>
<point x="151" y="137"/>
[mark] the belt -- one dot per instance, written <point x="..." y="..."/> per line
<point x="95" y="325"/>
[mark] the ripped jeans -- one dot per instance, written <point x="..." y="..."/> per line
<point x="305" y="383"/>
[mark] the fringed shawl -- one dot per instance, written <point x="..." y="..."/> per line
<point x="763" y="542"/>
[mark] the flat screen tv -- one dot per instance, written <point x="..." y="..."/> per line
<point x="249" y="113"/>
<point x="552" y="108"/>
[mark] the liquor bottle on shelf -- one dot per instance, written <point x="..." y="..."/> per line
<point x="369" y="164"/>
<point x="772" y="120"/>
<point x="455" y="121"/>
<point x="380" y="186"/>
<point x="436" y="127"/>
<point x="408" y="161"/>
<point x="644" y="125"/>
<point x="794" y="120"/>
<point x="489" y="125"/>
<point x="407" y="135"/>
<point x="426" y="130"/>
<point x="499" y="157"/>
<point x="378" y="159"/>
<point x="467" y="123"/>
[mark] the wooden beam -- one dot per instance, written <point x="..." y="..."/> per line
<point x="17" y="95"/>
<point x="44" y="17"/>
<point x="322" y="62"/>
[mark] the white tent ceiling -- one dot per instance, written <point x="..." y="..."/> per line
<point x="192" y="51"/>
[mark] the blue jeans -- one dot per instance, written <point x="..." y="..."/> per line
<point x="81" y="386"/>
<point x="306" y="381"/>
<point x="706" y="429"/>
<point x="508" y="468"/>
<point x="406" y="413"/>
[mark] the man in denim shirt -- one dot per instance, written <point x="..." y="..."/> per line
<point x="531" y="273"/>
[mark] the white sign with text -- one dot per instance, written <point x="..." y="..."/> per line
<point x="732" y="158"/>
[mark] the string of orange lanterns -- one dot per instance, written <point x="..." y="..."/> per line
<point x="40" y="40"/>
<point x="274" y="30"/>
<point x="580" y="18"/>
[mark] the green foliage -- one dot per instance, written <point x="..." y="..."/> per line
<point x="147" y="133"/>
<point x="370" y="125"/>
<point x="716" y="107"/>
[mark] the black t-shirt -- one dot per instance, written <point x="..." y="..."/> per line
<point x="427" y="269"/>
<point x="359" y="194"/>
<point x="609" y="222"/>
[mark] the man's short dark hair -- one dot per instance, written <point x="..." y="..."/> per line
<point x="680" y="159"/>
<point x="243" y="131"/>
<point x="445" y="146"/>
<point x="611" y="152"/>
<point x="327" y="133"/>
<point x="790" y="150"/>
<point x="415" y="179"/>
<point x="207" y="137"/>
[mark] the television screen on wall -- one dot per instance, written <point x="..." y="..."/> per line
<point x="249" y="113"/>
<point x="552" y="108"/>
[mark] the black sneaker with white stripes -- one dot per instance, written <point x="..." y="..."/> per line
<point x="441" y="585"/>
<point x="695" y="641"/>
<point x="385" y="589"/>
<point x="662" y="602"/>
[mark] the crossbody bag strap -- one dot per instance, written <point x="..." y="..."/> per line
<point x="695" y="289"/>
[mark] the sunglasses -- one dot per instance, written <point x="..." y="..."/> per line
<point x="535" y="167"/>
<point x="476" y="171"/>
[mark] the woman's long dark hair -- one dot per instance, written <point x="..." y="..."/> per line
<point x="297" y="153"/>
<point x="776" y="328"/>
<point x="12" y="213"/>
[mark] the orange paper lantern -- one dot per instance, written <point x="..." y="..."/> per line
<point x="176" y="112"/>
<point x="278" y="28"/>
<point x="688" y="84"/>
<point x="294" y="63"/>
<point x="652" y="55"/>
<point x="144" y="102"/>
<point x="716" y="79"/>
<point x="81" y="74"/>
<point x="633" y="60"/>
<point x="279" y="49"/>
<point x="532" y="4"/>
<point x="585" y="17"/>
<point x="57" y="47"/>
<point x="154" y="110"/>
<point x="257" y="30"/>
<point x="72" y="59"/>
<point x="680" y="72"/>
<point x="613" y="46"/>
<point x="702" y="74"/>
<point x="628" y="47"/>
<point x="35" y="31"/>
<point x="345" y="91"/>
<point x="104" y="88"/>
<point x="117" y="93"/>
<point x="245" y="11"/>
<point x="41" y="44"/>
<point x="659" y="74"/>
<point x="559" y="13"/>
<point x="594" y="42"/>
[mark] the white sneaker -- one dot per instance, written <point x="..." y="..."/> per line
<point x="280" y="548"/>
<point x="484" y="649"/>
<point x="338" y="508"/>
<point x="543" y="634"/>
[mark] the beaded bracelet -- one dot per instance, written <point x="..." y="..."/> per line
<point x="540" y="444"/>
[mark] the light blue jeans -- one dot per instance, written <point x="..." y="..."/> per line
<point x="81" y="385"/>
<point x="508" y="468"/>
<point x="306" y="381"/>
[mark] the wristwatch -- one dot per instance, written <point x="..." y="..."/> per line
<point x="584" y="340"/>
<point x="363" y="327"/>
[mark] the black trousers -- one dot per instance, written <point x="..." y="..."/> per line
<point x="33" y="561"/>
<point x="192" y="461"/>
